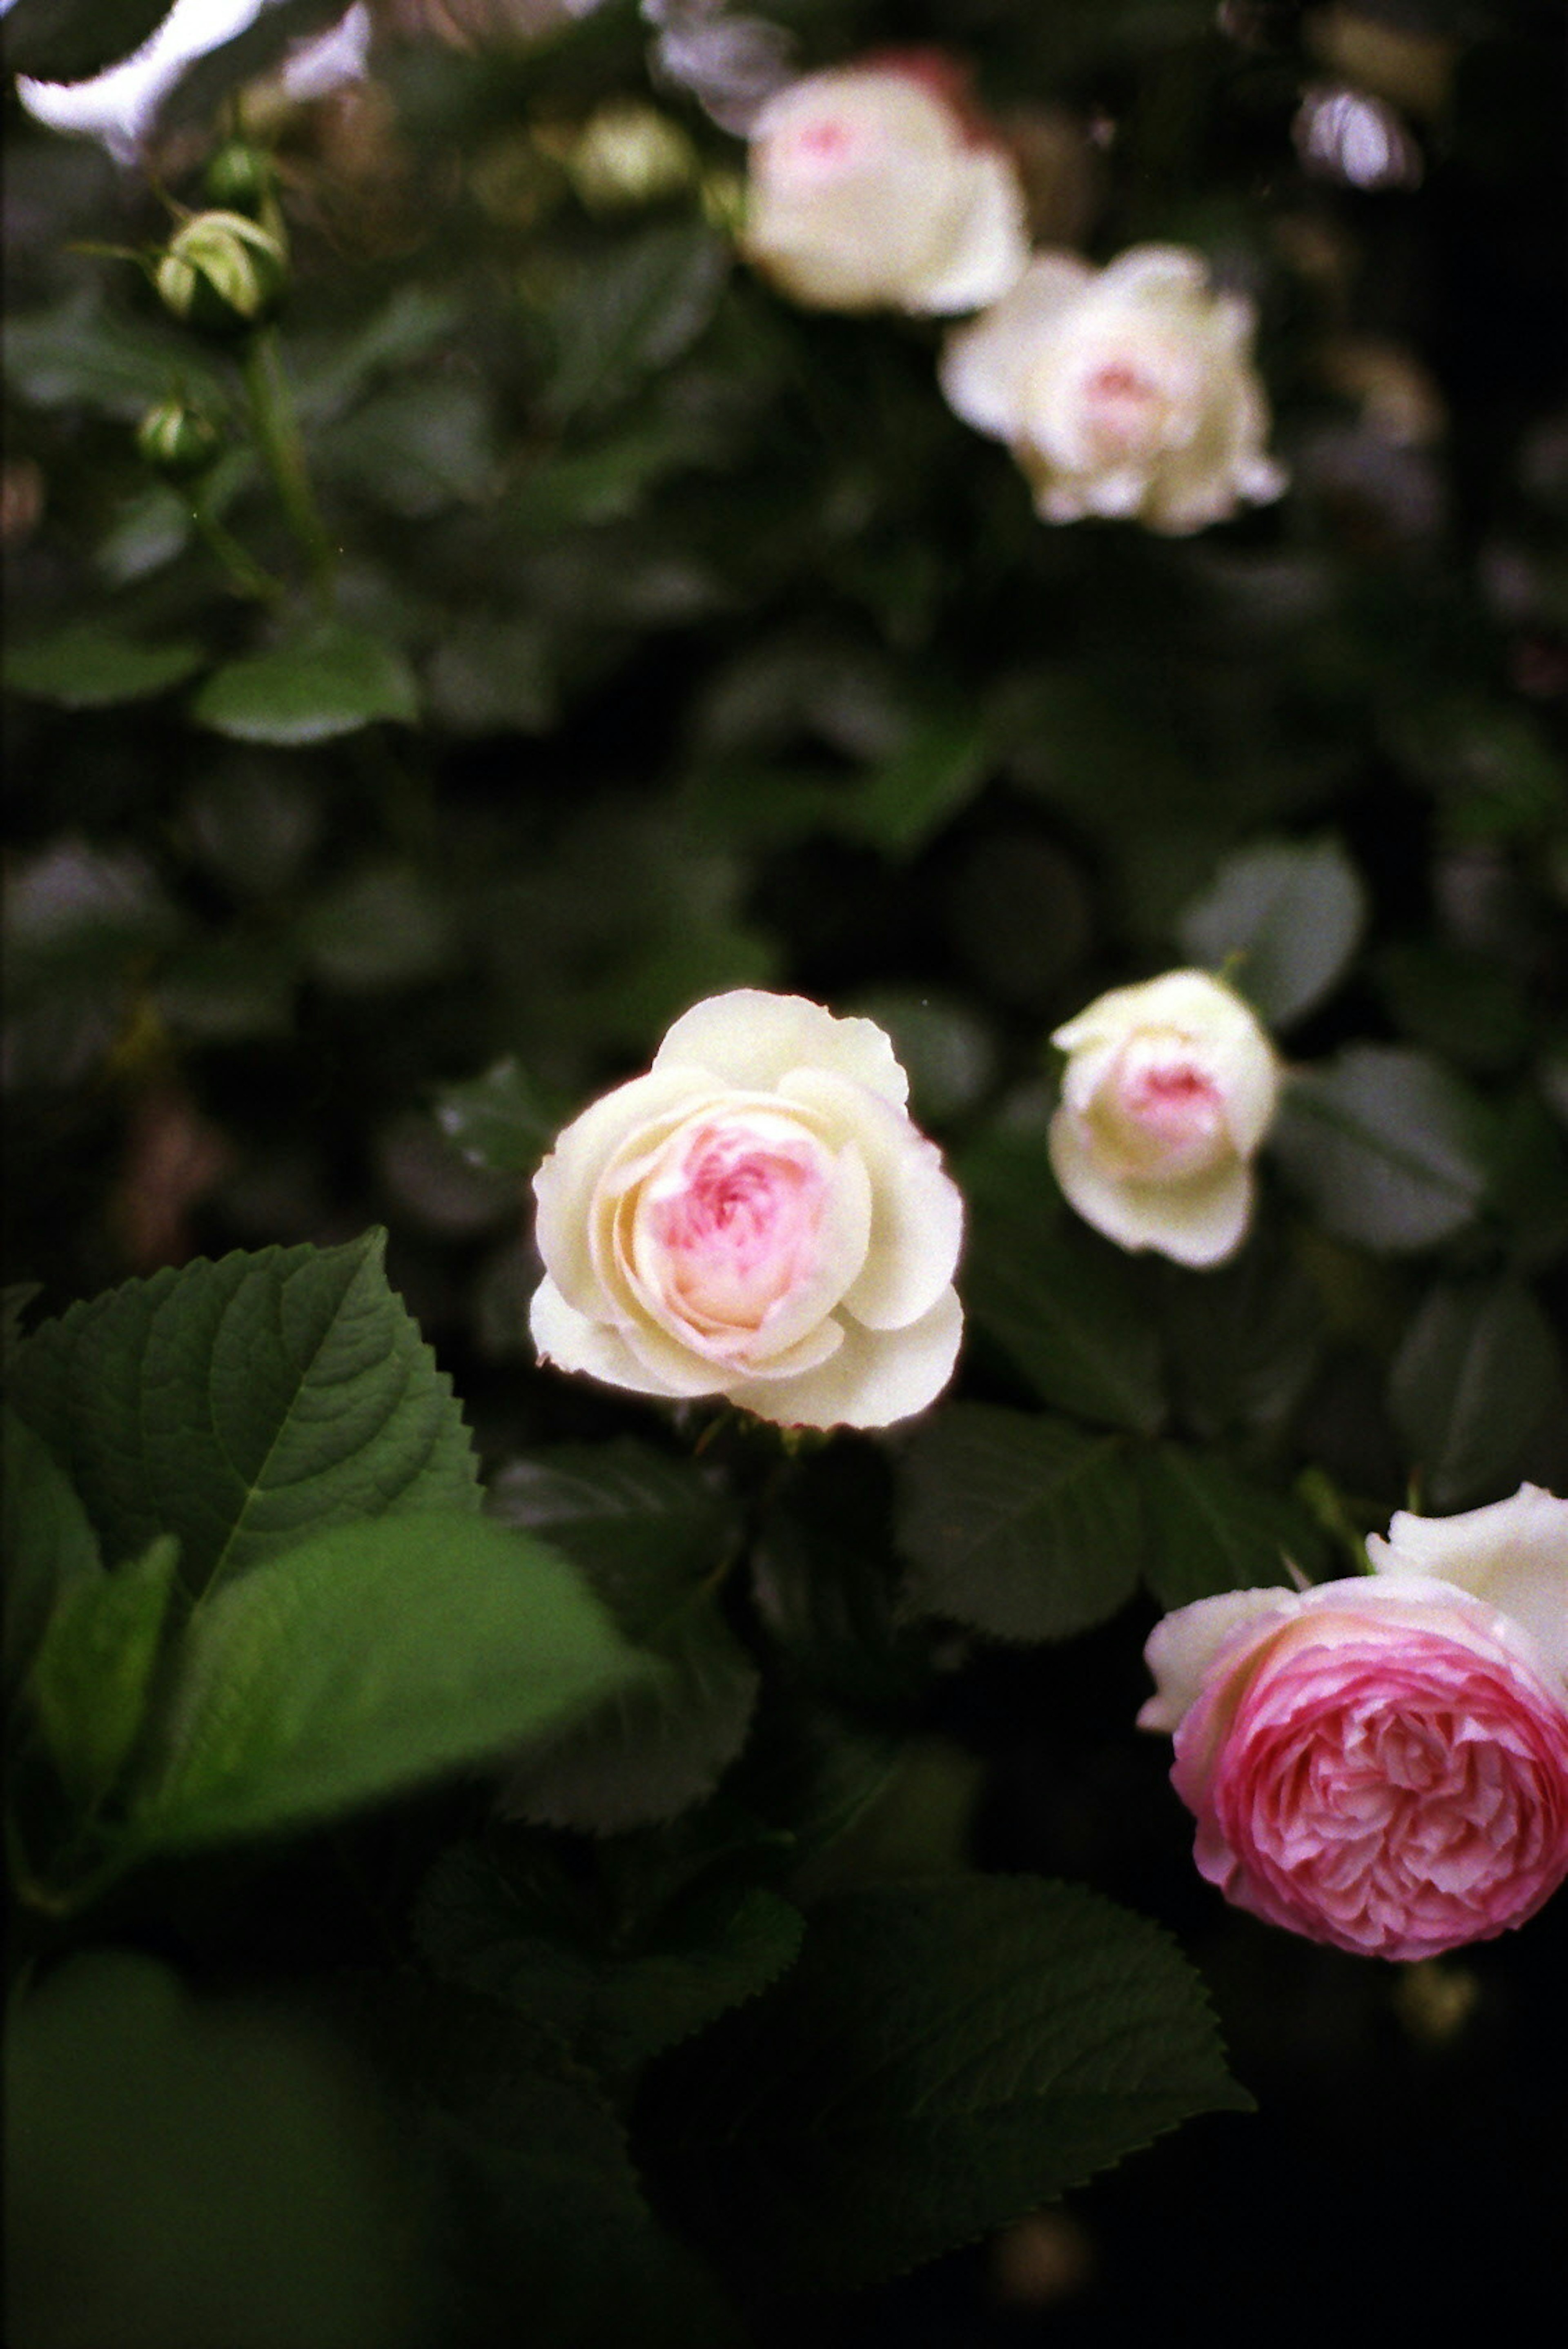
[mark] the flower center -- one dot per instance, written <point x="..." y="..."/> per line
<point x="737" y="1219"/>
<point x="1162" y="1116"/>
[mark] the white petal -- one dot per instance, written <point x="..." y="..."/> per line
<point x="571" y="1341"/>
<point x="992" y="251"/>
<point x="1514" y="1554"/>
<point x="753" y="1038"/>
<point x="1183" y="1645"/>
<point x="877" y="1376"/>
<point x="917" y="1209"/>
<point x="566" y="1183"/>
<point x="985" y="367"/>
<point x="1197" y="1223"/>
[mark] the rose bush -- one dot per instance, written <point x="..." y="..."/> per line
<point x="757" y="1217"/>
<point x="1169" y="1089"/>
<point x="1383" y="1764"/>
<point x="1122" y="391"/>
<point x="872" y="187"/>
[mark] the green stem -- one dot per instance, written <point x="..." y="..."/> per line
<point x="278" y="436"/>
<point x="245" y="574"/>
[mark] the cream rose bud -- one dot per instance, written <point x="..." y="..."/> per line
<point x="1121" y="391"/>
<point x="1381" y="1762"/>
<point x="1169" y="1089"/>
<point x="871" y="188"/>
<point x="757" y="1217"/>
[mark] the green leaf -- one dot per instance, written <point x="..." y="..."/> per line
<point x="329" y="682"/>
<point x="244" y="1404"/>
<point x="639" y="306"/>
<point x="1244" y="1338"/>
<point x="73" y="40"/>
<point x="369" y="1659"/>
<point x="1291" y="912"/>
<point x="502" y="1119"/>
<point x="1475" y="1375"/>
<point x="385" y="925"/>
<point x="49" y="1547"/>
<point x="1211" y="1530"/>
<point x="914" y="793"/>
<point x="1018" y="1525"/>
<point x="1068" y="1308"/>
<point x="94" y="1669"/>
<point x="185" y="2170"/>
<point x="76" y="356"/>
<point x="85" y="665"/>
<point x="1386" y="1146"/>
<point x="941" y="2061"/>
<point x="509" y="1932"/>
<point x="652" y="1536"/>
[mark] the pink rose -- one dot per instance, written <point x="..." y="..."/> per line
<point x="1383" y="1764"/>
<point x="756" y="1217"/>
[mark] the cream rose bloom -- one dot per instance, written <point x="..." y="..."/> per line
<point x="757" y="1217"/>
<point x="1381" y="1762"/>
<point x="1121" y="391"/>
<point x="1169" y="1089"/>
<point x="868" y="189"/>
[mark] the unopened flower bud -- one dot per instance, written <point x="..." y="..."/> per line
<point x="239" y="177"/>
<point x="628" y="155"/>
<point x="177" y="440"/>
<point x="222" y="271"/>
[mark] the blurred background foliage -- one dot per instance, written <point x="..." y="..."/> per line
<point x="659" y="638"/>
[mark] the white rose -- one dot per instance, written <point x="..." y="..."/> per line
<point x="1169" y="1089"/>
<point x="869" y="189"/>
<point x="756" y="1217"/>
<point x="1121" y="391"/>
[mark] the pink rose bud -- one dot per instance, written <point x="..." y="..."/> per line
<point x="1121" y="391"/>
<point x="1169" y="1089"/>
<point x="1383" y="1764"/>
<point x="875" y="187"/>
<point x="757" y="1217"/>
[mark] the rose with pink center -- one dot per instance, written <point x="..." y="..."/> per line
<point x="875" y="187"/>
<point x="1123" y="391"/>
<point x="1169" y="1089"/>
<point x="1383" y="1764"/>
<point x="757" y="1217"/>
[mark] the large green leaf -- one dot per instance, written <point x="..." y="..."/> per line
<point x="652" y="1536"/>
<point x="1290" y="913"/>
<point x="94" y="1673"/>
<point x="1243" y="1339"/>
<point x="329" y="682"/>
<point x="1386" y="1145"/>
<point x="369" y="1659"/>
<point x="1069" y="1310"/>
<point x="1477" y="1372"/>
<point x="941" y="2059"/>
<point x="85" y="665"/>
<point x="244" y="1404"/>
<point x="517" y="1934"/>
<point x="1019" y="1525"/>
<point x="639" y="306"/>
<point x="1211" y="1530"/>
<point x="48" y="1545"/>
<point x="185" y="2171"/>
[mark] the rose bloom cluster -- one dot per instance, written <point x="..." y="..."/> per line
<point x="1382" y="1764"/>
<point x="1125" y="392"/>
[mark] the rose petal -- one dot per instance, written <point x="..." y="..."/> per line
<point x="876" y="1378"/>
<point x="571" y="1341"/>
<point x="916" y="1210"/>
<point x="1512" y="1553"/>
<point x="570" y="1175"/>
<point x="754" y="1038"/>
<point x="1197" y="1223"/>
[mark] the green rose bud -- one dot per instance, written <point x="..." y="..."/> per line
<point x="223" y="272"/>
<point x="177" y="440"/>
<point x="239" y="178"/>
